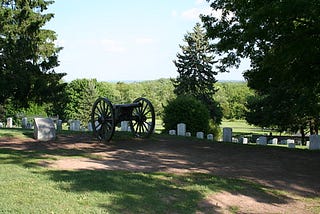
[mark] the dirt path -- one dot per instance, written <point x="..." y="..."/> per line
<point x="297" y="172"/>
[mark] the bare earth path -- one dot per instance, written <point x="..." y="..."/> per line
<point x="297" y="172"/>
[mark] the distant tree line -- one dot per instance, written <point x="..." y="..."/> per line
<point x="79" y="95"/>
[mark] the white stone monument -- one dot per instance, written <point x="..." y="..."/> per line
<point x="59" y="125"/>
<point x="44" y="129"/>
<point x="9" y="122"/>
<point x="210" y="137"/>
<point x="24" y="122"/>
<point x="1" y="125"/>
<point x="227" y="135"/>
<point x="77" y="125"/>
<point x="262" y="140"/>
<point x="172" y="132"/>
<point x="314" y="143"/>
<point x="124" y="126"/>
<point x="181" y="129"/>
<point x="274" y="141"/>
<point x="188" y="134"/>
<point x="291" y="143"/>
<point x="90" y="127"/>
<point x="200" y="135"/>
<point x="244" y="140"/>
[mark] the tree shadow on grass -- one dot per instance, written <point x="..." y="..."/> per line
<point x="137" y="192"/>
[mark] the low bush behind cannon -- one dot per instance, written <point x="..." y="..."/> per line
<point x="105" y="116"/>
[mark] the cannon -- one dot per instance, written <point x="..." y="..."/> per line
<point x="105" y="116"/>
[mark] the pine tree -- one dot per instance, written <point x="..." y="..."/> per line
<point x="28" y="54"/>
<point x="195" y="68"/>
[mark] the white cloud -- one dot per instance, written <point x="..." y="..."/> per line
<point x="198" y="2"/>
<point x="112" y="46"/>
<point x="144" y="41"/>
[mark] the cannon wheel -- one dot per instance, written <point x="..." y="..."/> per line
<point x="143" y="116"/>
<point x="103" y="119"/>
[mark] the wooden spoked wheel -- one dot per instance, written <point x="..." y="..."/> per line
<point x="143" y="118"/>
<point x="103" y="119"/>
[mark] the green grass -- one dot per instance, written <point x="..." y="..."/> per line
<point x="30" y="188"/>
<point x="241" y="127"/>
<point x="16" y="132"/>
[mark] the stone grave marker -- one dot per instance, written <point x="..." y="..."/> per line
<point x="124" y="126"/>
<point x="314" y="143"/>
<point x="1" y="125"/>
<point x="227" y="135"/>
<point x="24" y="122"/>
<point x="200" y="135"/>
<point x="181" y="129"/>
<point x="44" y="129"/>
<point x="59" y="125"/>
<point x="291" y="143"/>
<point x="9" y="122"/>
<point x="90" y="129"/>
<point x="188" y="134"/>
<point x="210" y="137"/>
<point x="274" y="141"/>
<point x="172" y="132"/>
<point x="244" y="140"/>
<point x="262" y="140"/>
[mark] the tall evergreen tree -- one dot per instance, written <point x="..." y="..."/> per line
<point x="196" y="74"/>
<point x="28" y="54"/>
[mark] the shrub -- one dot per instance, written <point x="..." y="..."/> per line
<point x="188" y="110"/>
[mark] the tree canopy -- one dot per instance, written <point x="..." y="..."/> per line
<point x="28" y="54"/>
<point x="282" y="40"/>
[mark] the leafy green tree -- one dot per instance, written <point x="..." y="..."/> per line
<point x="81" y="94"/>
<point x="232" y="97"/>
<point x="282" y="40"/>
<point x="28" y="54"/>
<point x="195" y="68"/>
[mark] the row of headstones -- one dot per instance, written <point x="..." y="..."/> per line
<point x="312" y="144"/>
<point x="181" y="131"/>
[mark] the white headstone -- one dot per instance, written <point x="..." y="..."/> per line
<point x="274" y="141"/>
<point x="90" y="127"/>
<point x="76" y="125"/>
<point x="44" y="129"/>
<point x="200" y="135"/>
<point x="188" y="134"/>
<point x="124" y="126"/>
<point x="24" y="122"/>
<point x="314" y="143"/>
<point x="235" y="140"/>
<point x="9" y="122"/>
<point x="1" y="125"/>
<point x="59" y="125"/>
<point x="172" y="132"/>
<point x="262" y="140"/>
<point x="227" y="135"/>
<point x="291" y="143"/>
<point x="72" y="126"/>
<point x="181" y="129"/>
<point x="210" y="136"/>
<point x="244" y="140"/>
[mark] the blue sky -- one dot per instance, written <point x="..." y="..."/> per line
<point x="112" y="40"/>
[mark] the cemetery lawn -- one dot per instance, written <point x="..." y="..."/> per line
<point x="163" y="174"/>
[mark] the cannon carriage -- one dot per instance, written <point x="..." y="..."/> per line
<point x="105" y="116"/>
